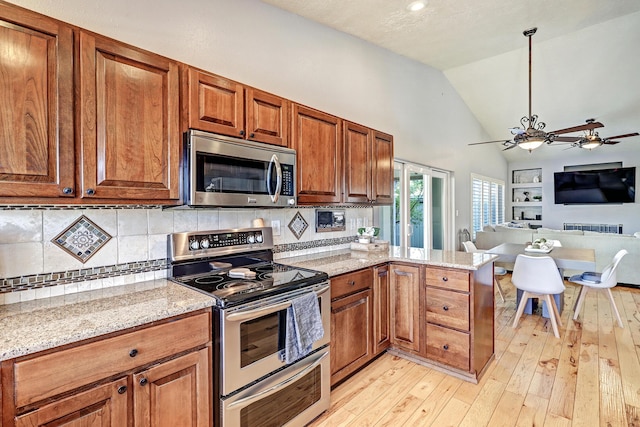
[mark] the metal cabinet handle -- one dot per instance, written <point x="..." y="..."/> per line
<point x="242" y="132"/>
<point x="251" y="135"/>
<point x="143" y="381"/>
<point x="133" y="352"/>
<point x="91" y="191"/>
<point x="122" y="389"/>
<point x="446" y="346"/>
<point x="352" y="282"/>
<point x="445" y="279"/>
<point x="67" y="190"/>
<point x="445" y="308"/>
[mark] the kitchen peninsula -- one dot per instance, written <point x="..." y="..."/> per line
<point x="433" y="307"/>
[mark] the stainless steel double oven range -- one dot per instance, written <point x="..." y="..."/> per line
<point x="252" y="384"/>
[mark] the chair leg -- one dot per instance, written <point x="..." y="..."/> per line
<point x="523" y="303"/>
<point x="552" y="304"/>
<point x="615" y="308"/>
<point x="500" y="291"/>
<point x="556" y="311"/>
<point x="580" y="302"/>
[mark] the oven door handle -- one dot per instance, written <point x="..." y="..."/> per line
<point x="269" y="391"/>
<point x="262" y="311"/>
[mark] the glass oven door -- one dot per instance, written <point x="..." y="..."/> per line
<point x="291" y="397"/>
<point x="253" y="337"/>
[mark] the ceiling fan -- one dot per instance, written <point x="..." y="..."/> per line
<point x="532" y="135"/>
<point x="591" y="139"/>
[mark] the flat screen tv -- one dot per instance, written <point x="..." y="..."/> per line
<point x="595" y="186"/>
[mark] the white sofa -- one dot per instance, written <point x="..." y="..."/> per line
<point x="606" y="246"/>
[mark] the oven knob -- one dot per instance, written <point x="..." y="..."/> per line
<point x="204" y="243"/>
<point x="259" y="237"/>
<point x="251" y="238"/>
<point x="194" y="245"/>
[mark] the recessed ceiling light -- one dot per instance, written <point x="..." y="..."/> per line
<point x="417" y="5"/>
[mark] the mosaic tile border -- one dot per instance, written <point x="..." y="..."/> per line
<point x="300" y="246"/>
<point x="36" y="281"/>
<point x="77" y="207"/>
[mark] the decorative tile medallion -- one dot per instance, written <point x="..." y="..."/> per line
<point x="298" y="225"/>
<point x="82" y="239"/>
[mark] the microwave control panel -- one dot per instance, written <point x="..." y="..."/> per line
<point x="287" y="180"/>
<point x="330" y="220"/>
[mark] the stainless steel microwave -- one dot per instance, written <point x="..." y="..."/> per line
<point x="221" y="171"/>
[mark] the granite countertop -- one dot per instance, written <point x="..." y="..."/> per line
<point x="41" y="324"/>
<point x="344" y="261"/>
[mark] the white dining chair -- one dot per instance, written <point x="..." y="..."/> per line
<point x="470" y="247"/>
<point x="538" y="277"/>
<point x="605" y="280"/>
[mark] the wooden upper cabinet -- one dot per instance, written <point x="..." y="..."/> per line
<point x="36" y="105"/>
<point x="317" y="139"/>
<point x="382" y="168"/>
<point x="369" y="156"/>
<point x="267" y="117"/>
<point x="128" y="121"/>
<point x="219" y="105"/>
<point x="357" y="171"/>
<point x="215" y="104"/>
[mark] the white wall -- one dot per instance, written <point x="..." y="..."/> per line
<point x="553" y="216"/>
<point x="274" y="50"/>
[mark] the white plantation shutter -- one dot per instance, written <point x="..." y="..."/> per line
<point x="487" y="202"/>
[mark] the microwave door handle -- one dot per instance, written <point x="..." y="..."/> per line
<point x="276" y="194"/>
<point x="257" y="396"/>
<point x="243" y="315"/>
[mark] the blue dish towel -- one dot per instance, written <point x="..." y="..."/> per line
<point x="304" y="327"/>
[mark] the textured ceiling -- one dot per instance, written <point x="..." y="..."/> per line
<point x="474" y="40"/>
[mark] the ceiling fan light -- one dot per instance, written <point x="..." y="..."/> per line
<point x="417" y="5"/>
<point x="531" y="143"/>
<point x="590" y="145"/>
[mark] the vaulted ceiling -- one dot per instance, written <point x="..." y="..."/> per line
<point x="585" y="57"/>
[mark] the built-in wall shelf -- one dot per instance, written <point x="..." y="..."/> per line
<point x="526" y="195"/>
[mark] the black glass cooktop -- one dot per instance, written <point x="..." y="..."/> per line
<point x="265" y="279"/>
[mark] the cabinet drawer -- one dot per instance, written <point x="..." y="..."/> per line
<point x="448" y="308"/>
<point x="54" y="373"/>
<point x="448" y="346"/>
<point x="446" y="278"/>
<point x="349" y="283"/>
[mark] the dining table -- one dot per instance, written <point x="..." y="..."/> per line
<point x="566" y="258"/>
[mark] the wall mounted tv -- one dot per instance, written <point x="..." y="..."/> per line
<point x="595" y="186"/>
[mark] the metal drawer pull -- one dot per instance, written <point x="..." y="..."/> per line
<point x="445" y="279"/>
<point x="446" y="346"/>
<point x="133" y="352"/>
<point x="143" y="381"/>
<point x="445" y="308"/>
<point x="122" y="389"/>
<point x="352" y="282"/>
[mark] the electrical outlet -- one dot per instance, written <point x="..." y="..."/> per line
<point x="275" y="225"/>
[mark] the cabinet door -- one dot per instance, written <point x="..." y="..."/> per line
<point x="381" y="298"/>
<point x="175" y="393"/>
<point x="128" y="109"/>
<point x="215" y="104"/>
<point x="101" y="406"/>
<point x="267" y="118"/>
<point x="351" y="331"/>
<point x="36" y="105"/>
<point x="317" y="138"/>
<point x="405" y="300"/>
<point x="357" y="171"/>
<point x="382" y="168"/>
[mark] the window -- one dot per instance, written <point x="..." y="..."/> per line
<point x="487" y="202"/>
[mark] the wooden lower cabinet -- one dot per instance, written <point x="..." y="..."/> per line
<point x="405" y="306"/>
<point x="101" y="406"/>
<point x="381" y="313"/>
<point x="351" y="330"/>
<point x="163" y="370"/>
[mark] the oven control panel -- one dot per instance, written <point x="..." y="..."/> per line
<point x="223" y="240"/>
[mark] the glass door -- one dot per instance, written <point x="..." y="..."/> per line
<point x="419" y="216"/>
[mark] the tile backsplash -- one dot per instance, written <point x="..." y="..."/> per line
<point x="32" y="266"/>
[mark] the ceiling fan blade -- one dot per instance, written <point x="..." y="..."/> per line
<point x="510" y="147"/>
<point x="567" y="139"/>
<point x="626" y="135"/>
<point x="489" y="142"/>
<point x="607" y="142"/>
<point x="587" y="126"/>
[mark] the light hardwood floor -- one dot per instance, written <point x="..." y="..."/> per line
<point x="588" y="377"/>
